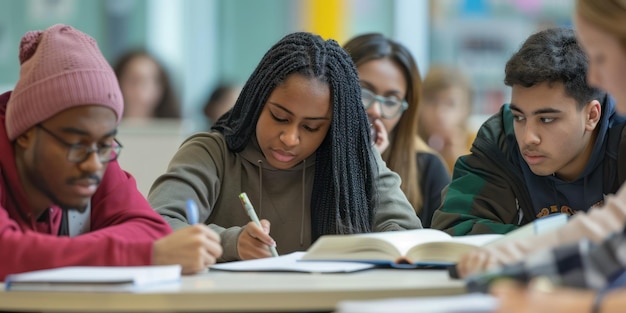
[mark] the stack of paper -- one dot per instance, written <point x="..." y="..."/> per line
<point x="469" y="303"/>
<point x="93" y="278"/>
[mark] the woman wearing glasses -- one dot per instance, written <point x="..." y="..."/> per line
<point x="390" y="89"/>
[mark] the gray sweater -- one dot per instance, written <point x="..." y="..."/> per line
<point x="205" y="170"/>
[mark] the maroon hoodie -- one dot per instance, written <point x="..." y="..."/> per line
<point x="123" y="225"/>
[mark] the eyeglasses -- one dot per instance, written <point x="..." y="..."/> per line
<point x="77" y="153"/>
<point x="390" y="107"/>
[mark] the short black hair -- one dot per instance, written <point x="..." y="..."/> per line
<point x="344" y="187"/>
<point x="553" y="56"/>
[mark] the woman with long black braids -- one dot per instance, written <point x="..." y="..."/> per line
<point x="298" y="143"/>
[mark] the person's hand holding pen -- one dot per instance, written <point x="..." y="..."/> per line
<point x="195" y="247"/>
<point x="254" y="241"/>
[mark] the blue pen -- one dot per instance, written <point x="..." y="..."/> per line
<point x="192" y="212"/>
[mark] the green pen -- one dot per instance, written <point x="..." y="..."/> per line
<point x="245" y="202"/>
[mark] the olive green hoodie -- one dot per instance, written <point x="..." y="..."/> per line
<point x="205" y="170"/>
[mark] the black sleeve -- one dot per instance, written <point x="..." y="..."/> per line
<point x="433" y="178"/>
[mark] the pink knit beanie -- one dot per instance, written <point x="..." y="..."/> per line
<point x="61" y="68"/>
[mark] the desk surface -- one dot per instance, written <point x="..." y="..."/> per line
<point x="245" y="292"/>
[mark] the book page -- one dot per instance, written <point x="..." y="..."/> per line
<point x="351" y="247"/>
<point x="383" y="246"/>
<point x="290" y="263"/>
<point x="538" y="226"/>
<point x="403" y="241"/>
<point x="477" y="240"/>
<point x="448" y="252"/>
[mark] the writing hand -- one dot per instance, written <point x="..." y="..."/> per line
<point x="195" y="248"/>
<point x="254" y="241"/>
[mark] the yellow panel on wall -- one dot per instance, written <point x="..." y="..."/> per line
<point x="328" y="18"/>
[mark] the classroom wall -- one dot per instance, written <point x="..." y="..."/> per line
<point x="203" y="42"/>
<point x="94" y="17"/>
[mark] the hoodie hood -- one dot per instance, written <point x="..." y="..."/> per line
<point x="608" y="119"/>
<point x="8" y="166"/>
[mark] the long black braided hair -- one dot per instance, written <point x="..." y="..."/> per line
<point x="344" y="187"/>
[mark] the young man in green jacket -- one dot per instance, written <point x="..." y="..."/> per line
<point x="553" y="149"/>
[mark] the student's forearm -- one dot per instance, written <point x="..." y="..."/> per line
<point x="30" y="251"/>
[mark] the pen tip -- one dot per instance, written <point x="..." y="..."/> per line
<point x="243" y="196"/>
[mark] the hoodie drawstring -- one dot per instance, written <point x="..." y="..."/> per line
<point x="260" y="164"/>
<point x="302" y="207"/>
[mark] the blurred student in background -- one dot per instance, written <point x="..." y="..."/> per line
<point x="602" y="34"/>
<point x="146" y="86"/>
<point x="445" y="111"/>
<point x="222" y="99"/>
<point x="391" y="91"/>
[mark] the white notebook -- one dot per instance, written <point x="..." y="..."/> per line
<point x="467" y="303"/>
<point x="93" y="278"/>
<point x="291" y="263"/>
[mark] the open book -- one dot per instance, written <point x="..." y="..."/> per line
<point x="418" y="247"/>
<point x="93" y="278"/>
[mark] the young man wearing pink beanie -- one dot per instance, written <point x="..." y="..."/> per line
<point x="64" y="200"/>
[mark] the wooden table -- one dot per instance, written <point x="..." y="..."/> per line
<point x="217" y="291"/>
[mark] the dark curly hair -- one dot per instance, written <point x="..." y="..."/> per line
<point x="552" y="55"/>
<point x="345" y="166"/>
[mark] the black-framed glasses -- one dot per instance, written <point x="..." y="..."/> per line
<point x="390" y="107"/>
<point x="78" y="153"/>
